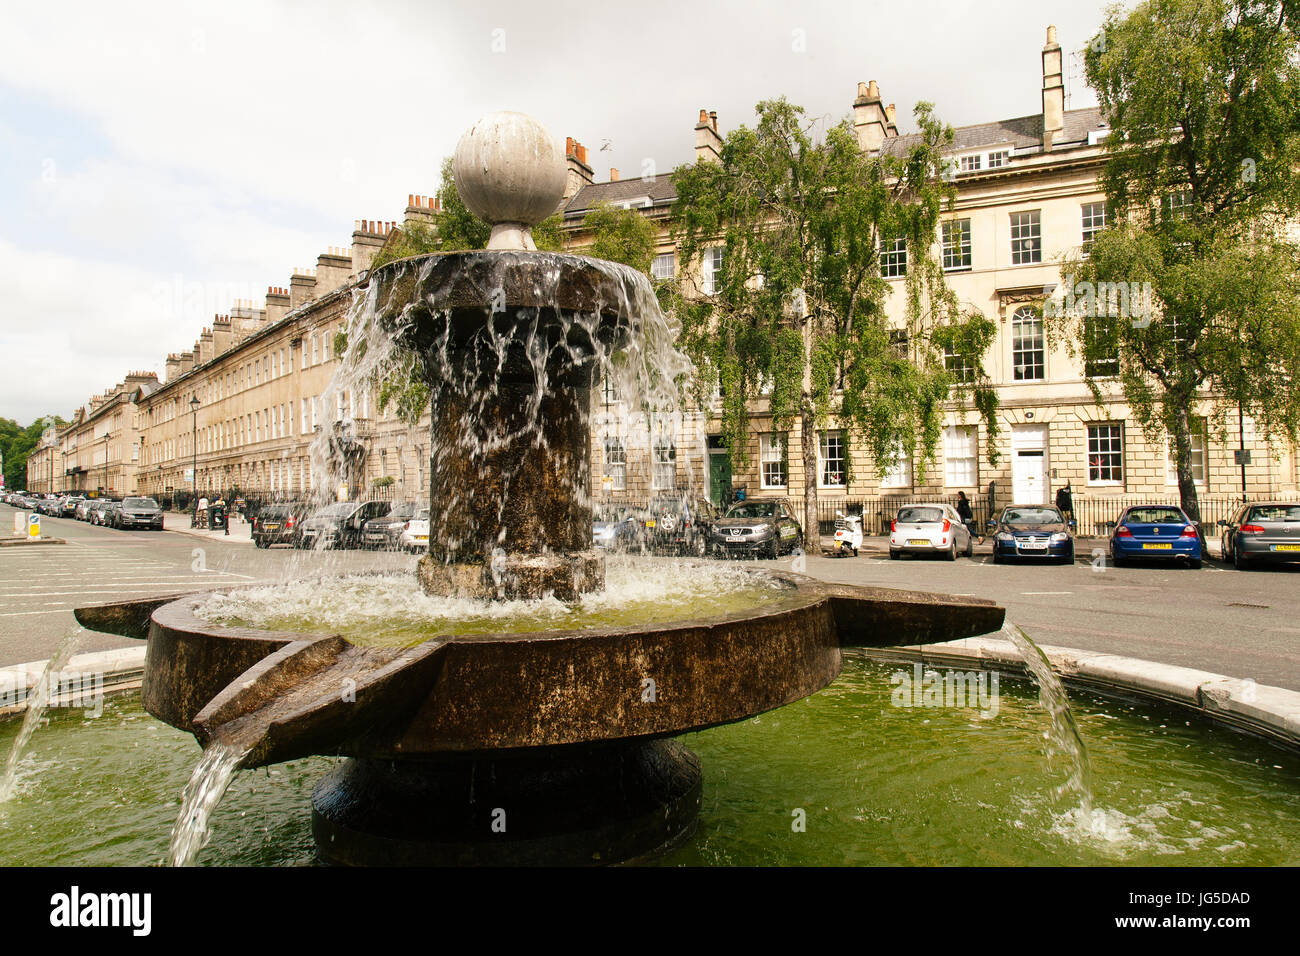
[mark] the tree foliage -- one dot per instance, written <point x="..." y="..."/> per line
<point x="17" y="443"/>
<point x="797" y="313"/>
<point x="1193" y="292"/>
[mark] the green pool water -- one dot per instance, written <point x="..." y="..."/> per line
<point x="392" y="610"/>
<point x="873" y="783"/>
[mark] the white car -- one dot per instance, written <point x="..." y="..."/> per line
<point x="415" y="535"/>
<point x="929" y="529"/>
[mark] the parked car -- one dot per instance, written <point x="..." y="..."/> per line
<point x="69" y="509"/>
<point x="338" y="525"/>
<point x="616" y="527"/>
<point x="1262" y="533"/>
<point x="278" y="523"/>
<point x="415" y="532"/>
<point x="111" y="514"/>
<point x="137" y="512"/>
<point x="95" y="513"/>
<point x="1032" y="531"/>
<point x="929" y="529"/>
<point x="1160" y="532"/>
<point x="384" y="532"/>
<point x="679" y="523"/>
<point x="759" y="527"/>
<point x="83" y="509"/>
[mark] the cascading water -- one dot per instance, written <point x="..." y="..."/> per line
<point x="46" y="687"/>
<point x="211" y="778"/>
<point x="1063" y="737"/>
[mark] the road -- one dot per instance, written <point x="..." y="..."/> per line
<point x="1244" y="624"/>
<point x="41" y="584"/>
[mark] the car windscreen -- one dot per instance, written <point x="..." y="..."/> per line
<point x="338" y="511"/>
<point x="753" y="509"/>
<point x="139" y="503"/>
<point x="1155" y="516"/>
<point x="277" y="511"/>
<point x="1275" y="513"/>
<point x="920" y="515"/>
<point x="1032" y="516"/>
<point x="422" y="515"/>
<point x="402" y="510"/>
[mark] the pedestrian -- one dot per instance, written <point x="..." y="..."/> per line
<point x="967" y="516"/>
<point x="201" y="512"/>
<point x="1065" y="502"/>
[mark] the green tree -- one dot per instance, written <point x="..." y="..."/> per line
<point x="620" y="235"/>
<point x="1192" y="295"/>
<point x="796" y="310"/>
<point x="16" y="444"/>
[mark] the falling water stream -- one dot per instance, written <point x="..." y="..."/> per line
<point x="208" y="784"/>
<point x="1063" y="735"/>
<point x="37" y="703"/>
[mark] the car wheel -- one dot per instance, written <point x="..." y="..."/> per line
<point x="1195" y="564"/>
<point x="951" y="553"/>
<point x="997" y="558"/>
<point x="1240" y="562"/>
<point x="894" y="555"/>
<point x="970" y="546"/>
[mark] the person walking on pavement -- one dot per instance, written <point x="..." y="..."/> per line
<point x="1065" y="502"/>
<point x="967" y="516"/>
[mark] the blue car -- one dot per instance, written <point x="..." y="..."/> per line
<point x="1155" y="532"/>
<point x="1032" y="531"/>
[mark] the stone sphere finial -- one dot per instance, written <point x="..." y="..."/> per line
<point x="510" y="172"/>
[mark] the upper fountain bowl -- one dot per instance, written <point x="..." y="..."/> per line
<point x="510" y="172"/>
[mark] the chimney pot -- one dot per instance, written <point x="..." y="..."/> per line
<point x="713" y="119"/>
<point x="873" y="91"/>
<point x="704" y="117"/>
<point x="1051" y="35"/>
<point x="613" y="175"/>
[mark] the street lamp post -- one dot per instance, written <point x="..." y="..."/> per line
<point x="107" y="435"/>
<point x="194" y="450"/>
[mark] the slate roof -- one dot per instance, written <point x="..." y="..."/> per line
<point x="1021" y="132"/>
<point x="659" y="189"/>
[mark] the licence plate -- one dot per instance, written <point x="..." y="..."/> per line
<point x="922" y="541"/>
<point x="1286" y="547"/>
<point x="270" y="527"/>
<point x="421" y="537"/>
<point x="1031" y="547"/>
<point x="1157" y="547"/>
<point x="650" y="523"/>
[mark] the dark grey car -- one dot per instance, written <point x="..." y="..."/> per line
<point x="139" y="513"/>
<point x="1262" y="533"/>
<point x="764" y="528"/>
<point x="384" y="533"/>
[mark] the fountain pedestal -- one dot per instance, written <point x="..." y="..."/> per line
<point x="560" y="806"/>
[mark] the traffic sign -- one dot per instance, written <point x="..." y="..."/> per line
<point x="34" y="527"/>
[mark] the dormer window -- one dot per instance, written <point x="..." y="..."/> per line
<point x="969" y="164"/>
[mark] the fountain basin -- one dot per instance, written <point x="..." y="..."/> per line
<point x="562" y="732"/>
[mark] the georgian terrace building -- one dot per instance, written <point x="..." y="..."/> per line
<point x="1028" y="193"/>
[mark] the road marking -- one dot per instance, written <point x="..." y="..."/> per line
<point x="1046" y="592"/>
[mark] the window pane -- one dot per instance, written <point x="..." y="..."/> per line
<point x="1026" y="238"/>
<point x="1094" y="221"/>
<point x="1105" y="454"/>
<point x="831" y="452"/>
<point x="959" y="453"/>
<point x="893" y="258"/>
<point x="956" y="244"/>
<point x="1027" y="356"/>
<point x="772" y="460"/>
<point x="663" y="266"/>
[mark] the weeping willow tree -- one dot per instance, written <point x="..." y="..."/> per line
<point x="790" y="230"/>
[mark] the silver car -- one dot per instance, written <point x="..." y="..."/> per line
<point x="1262" y="533"/>
<point x="929" y="529"/>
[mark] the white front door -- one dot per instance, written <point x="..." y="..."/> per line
<point x="1029" y="464"/>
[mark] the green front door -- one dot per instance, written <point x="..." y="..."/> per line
<point x="719" y="478"/>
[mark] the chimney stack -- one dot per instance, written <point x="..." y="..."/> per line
<point x="613" y="174"/>
<point x="871" y="121"/>
<point x="579" y="174"/>
<point x="277" y="303"/>
<point x="708" y="144"/>
<point x="1053" y="91"/>
<point x="302" y="287"/>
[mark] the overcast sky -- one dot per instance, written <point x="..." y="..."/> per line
<point x="159" y="161"/>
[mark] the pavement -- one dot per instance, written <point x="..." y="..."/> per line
<point x="240" y="531"/>
<point x="1243" y="624"/>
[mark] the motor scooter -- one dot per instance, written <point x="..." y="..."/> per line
<point x="848" y="534"/>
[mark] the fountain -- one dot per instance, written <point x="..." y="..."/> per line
<point x="507" y="746"/>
